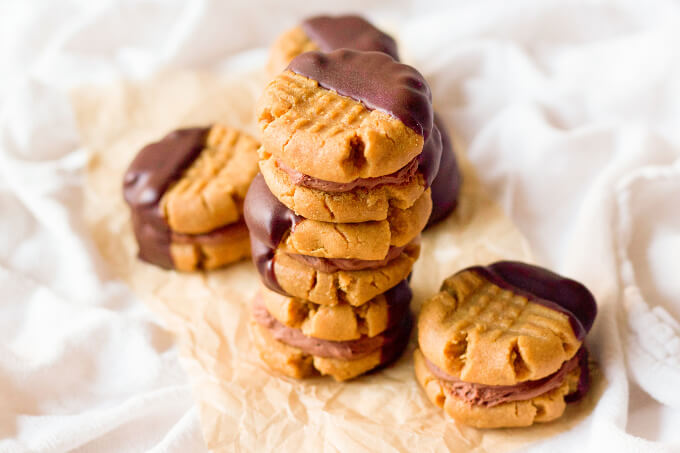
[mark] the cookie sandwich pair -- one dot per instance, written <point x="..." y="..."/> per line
<point x="502" y="345"/>
<point x="185" y="194"/>
<point x="329" y="33"/>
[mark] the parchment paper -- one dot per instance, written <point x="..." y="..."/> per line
<point x="243" y="406"/>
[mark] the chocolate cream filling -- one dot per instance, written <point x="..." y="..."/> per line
<point x="217" y="236"/>
<point x="493" y="395"/>
<point x="347" y="264"/>
<point x="426" y="163"/>
<point x="391" y="339"/>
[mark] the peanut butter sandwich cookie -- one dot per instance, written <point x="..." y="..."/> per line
<point x="328" y="33"/>
<point x="185" y="194"/>
<point x="502" y="345"/>
<point x="302" y="340"/>
<point x="355" y="202"/>
<point x="345" y="115"/>
<point x="329" y="263"/>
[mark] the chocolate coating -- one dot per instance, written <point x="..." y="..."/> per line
<point x="546" y="288"/>
<point x="350" y="32"/>
<point x="376" y="80"/>
<point x="147" y="178"/>
<point x="429" y="159"/>
<point x="268" y="221"/>
<point x="446" y="184"/>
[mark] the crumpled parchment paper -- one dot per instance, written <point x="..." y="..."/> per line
<point x="243" y="406"/>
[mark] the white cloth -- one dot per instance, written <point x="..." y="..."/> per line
<point x="569" y="110"/>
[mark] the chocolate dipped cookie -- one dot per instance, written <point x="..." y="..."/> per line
<point x="328" y="33"/>
<point x="345" y="115"/>
<point x="502" y="345"/>
<point x="185" y="194"/>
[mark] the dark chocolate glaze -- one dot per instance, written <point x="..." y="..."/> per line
<point x="584" y="377"/>
<point x="346" y="350"/>
<point x="429" y="159"/>
<point x="446" y="184"/>
<point x="376" y="80"/>
<point x="350" y="32"/>
<point x="268" y="221"/>
<point x="147" y="178"/>
<point x="546" y="288"/>
<point x="398" y="300"/>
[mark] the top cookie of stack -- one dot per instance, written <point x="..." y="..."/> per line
<point x="348" y="135"/>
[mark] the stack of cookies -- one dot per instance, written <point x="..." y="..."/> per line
<point x="349" y="151"/>
<point x="185" y="194"/>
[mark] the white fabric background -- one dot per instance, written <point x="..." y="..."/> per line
<point x="569" y="110"/>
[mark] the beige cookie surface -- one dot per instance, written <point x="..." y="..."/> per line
<point x="205" y="253"/>
<point x="364" y="241"/>
<point x="286" y="47"/>
<point x="210" y="192"/>
<point x="351" y="287"/>
<point x="540" y="409"/>
<point x="357" y="205"/>
<point x="295" y="363"/>
<point x="481" y="333"/>
<point x="328" y="136"/>
<point x="340" y="322"/>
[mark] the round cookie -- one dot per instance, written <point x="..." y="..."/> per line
<point x="501" y="345"/>
<point x="504" y="323"/>
<point x="273" y="223"/>
<point x="545" y="407"/>
<point x="347" y="361"/>
<point x="447" y="183"/>
<point x="286" y="275"/>
<point x="186" y="192"/>
<point x="357" y="205"/>
<point x="341" y="322"/>
<point x="328" y="33"/>
<point x="361" y="200"/>
<point x="345" y="115"/>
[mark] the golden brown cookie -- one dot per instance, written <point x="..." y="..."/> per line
<point x="320" y="123"/>
<point x="273" y="223"/>
<point x="356" y="205"/>
<point x="212" y="250"/>
<point x="282" y="273"/>
<point x="328" y="33"/>
<point x="366" y="240"/>
<point x="539" y="409"/>
<point x="210" y="192"/>
<point x="483" y="333"/>
<point x="185" y="194"/>
<point x="501" y="345"/>
<point x="289" y="45"/>
<point x="295" y="362"/>
<point x="340" y="322"/>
